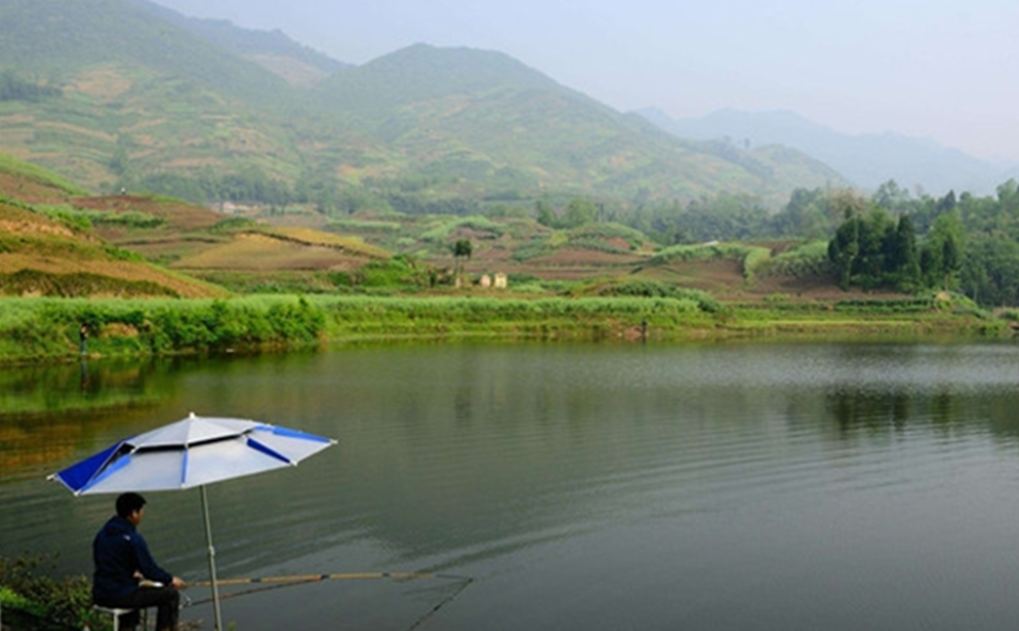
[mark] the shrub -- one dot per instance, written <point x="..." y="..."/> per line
<point x="446" y="227"/>
<point x="62" y="601"/>
<point x="363" y="225"/>
<point x="655" y="289"/>
<point x="752" y="257"/>
<point x="594" y="231"/>
<point x="532" y="249"/>
<point x="807" y="260"/>
<point x="49" y="328"/>
<point x="67" y="216"/>
<point x="233" y="224"/>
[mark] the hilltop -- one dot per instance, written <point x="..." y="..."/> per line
<point x="299" y="65"/>
<point x="135" y="96"/>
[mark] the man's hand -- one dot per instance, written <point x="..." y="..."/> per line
<point x="178" y="583"/>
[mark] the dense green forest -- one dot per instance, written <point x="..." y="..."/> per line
<point x="965" y="243"/>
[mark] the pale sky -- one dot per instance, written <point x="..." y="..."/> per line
<point x="941" y="69"/>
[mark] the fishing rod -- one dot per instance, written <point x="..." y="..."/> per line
<point x="314" y="578"/>
<point x="267" y="583"/>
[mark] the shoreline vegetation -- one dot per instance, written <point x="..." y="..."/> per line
<point x="45" y="330"/>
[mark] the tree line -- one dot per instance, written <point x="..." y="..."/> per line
<point x="962" y="243"/>
<point x="14" y="88"/>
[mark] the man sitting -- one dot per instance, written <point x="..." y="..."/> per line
<point x="122" y="560"/>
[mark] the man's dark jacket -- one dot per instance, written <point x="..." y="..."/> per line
<point x="118" y="552"/>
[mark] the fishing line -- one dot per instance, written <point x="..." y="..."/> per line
<point x="267" y="583"/>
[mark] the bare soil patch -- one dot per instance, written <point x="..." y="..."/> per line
<point x="30" y="191"/>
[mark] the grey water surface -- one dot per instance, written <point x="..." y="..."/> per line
<point x="581" y="486"/>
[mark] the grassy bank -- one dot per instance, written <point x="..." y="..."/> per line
<point x="38" y="329"/>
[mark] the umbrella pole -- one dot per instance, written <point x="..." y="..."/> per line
<point x="212" y="560"/>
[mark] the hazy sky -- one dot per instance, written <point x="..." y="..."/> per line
<point x="943" y="69"/>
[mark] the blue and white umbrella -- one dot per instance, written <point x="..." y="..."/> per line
<point x="196" y="451"/>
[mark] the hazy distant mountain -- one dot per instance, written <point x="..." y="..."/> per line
<point x="867" y="160"/>
<point x="300" y="65"/>
<point x="146" y="93"/>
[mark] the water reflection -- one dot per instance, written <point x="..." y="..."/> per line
<point x="575" y="481"/>
<point x="943" y="412"/>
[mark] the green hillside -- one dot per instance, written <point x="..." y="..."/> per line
<point x="486" y="125"/>
<point x="137" y="95"/>
<point x="57" y="39"/>
<point x="115" y="94"/>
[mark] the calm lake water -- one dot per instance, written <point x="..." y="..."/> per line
<point x="587" y="486"/>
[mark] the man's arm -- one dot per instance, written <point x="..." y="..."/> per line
<point x="146" y="564"/>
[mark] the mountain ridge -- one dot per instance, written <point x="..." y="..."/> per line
<point x="300" y="65"/>
<point x="868" y="160"/>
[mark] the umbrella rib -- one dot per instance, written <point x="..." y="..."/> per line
<point x="268" y="451"/>
<point x="184" y="469"/>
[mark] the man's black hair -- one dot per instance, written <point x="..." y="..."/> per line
<point x="128" y="503"/>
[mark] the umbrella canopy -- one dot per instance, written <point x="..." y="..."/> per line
<point x="193" y="452"/>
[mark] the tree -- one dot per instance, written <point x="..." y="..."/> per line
<point x="462" y="249"/>
<point x="892" y="197"/>
<point x="990" y="272"/>
<point x="902" y="256"/>
<point x="580" y="211"/>
<point x="544" y="213"/>
<point x="804" y="215"/>
<point x="942" y="254"/>
<point x="844" y="249"/>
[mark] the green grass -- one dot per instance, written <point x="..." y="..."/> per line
<point x="447" y="225"/>
<point x="808" y="259"/>
<point x="46" y="329"/>
<point x="363" y="225"/>
<point x="13" y="166"/>
<point x="85" y="219"/>
<point x="752" y="257"/>
<point x="601" y="231"/>
<point x="542" y="317"/>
